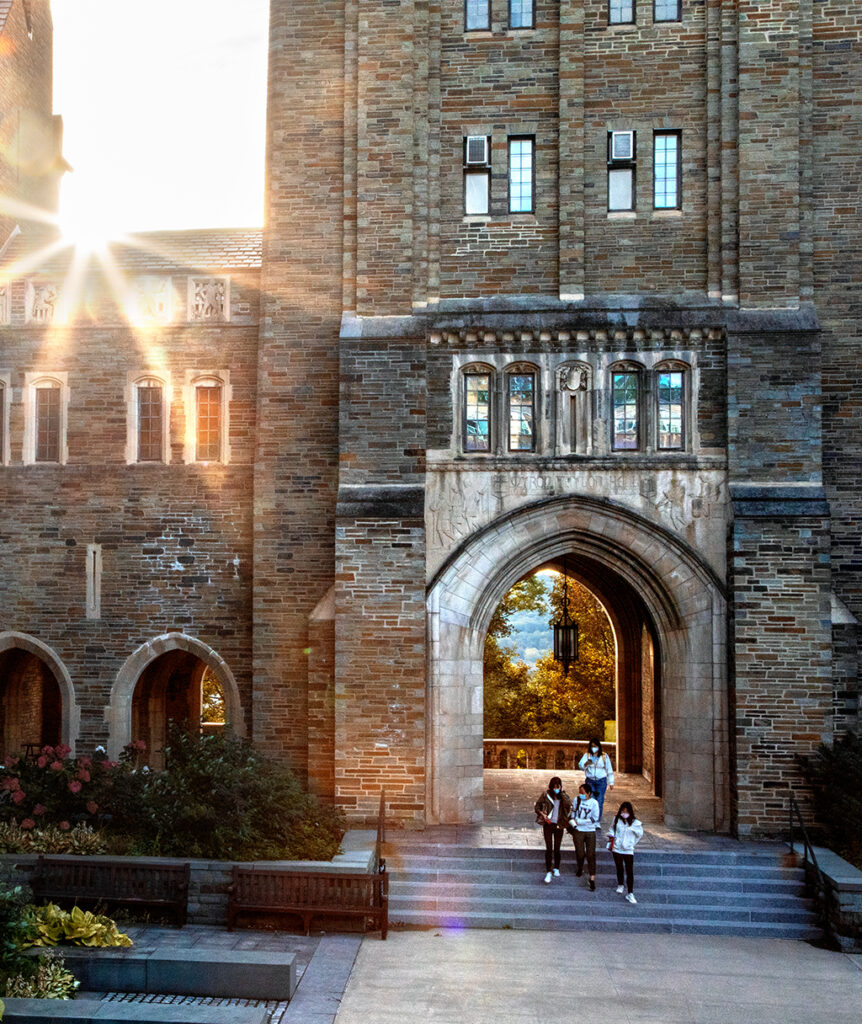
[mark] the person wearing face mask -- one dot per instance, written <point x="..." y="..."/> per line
<point x="598" y="771"/>
<point x="624" y="835"/>
<point x="584" y="821"/>
<point x="553" y="810"/>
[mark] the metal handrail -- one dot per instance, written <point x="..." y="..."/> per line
<point x="808" y="853"/>
<point x="379" y="862"/>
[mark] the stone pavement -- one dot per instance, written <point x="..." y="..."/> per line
<point x="485" y="977"/>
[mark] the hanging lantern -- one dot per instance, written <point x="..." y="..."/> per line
<point x="565" y="632"/>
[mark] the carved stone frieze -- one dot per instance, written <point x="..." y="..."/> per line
<point x="209" y="299"/>
<point x="615" y="338"/>
<point x="43" y="299"/>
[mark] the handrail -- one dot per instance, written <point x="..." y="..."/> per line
<point x="808" y="849"/>
<point x="379" y="862"/>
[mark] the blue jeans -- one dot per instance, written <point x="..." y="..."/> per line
<point x="599" y="786"/>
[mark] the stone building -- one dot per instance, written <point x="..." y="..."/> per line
<point x="554" y="283"/>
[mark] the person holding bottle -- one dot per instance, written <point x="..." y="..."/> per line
<point x="553" y="810"/>
<point x="624" y="835"/>
<point x="598" y="771"/>
<point x="585" y="818"/>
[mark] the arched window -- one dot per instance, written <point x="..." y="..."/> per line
<point x="148" y="404"/>
<point x="521" y="407"/>
<point x="671" y="398"/>
<point x="46" y="400"/>
<point x="207" y="404"/>
<point x="626" y="427"/>
<point x="476" y="431"/>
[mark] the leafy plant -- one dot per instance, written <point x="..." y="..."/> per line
<point x="836" y="776"/>
<point x="50" y="980"/>
<point x="50" y="925"/>
<point x="13" y="926"/>
<point x="82" y="839"/>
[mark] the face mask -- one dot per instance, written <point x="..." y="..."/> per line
<point x="594" y="750"/>
<point x="585" y="796"/>
<point x="556" y="792"/>
<point x="625" y="816"/>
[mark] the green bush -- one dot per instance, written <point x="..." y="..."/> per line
<point x="13" y="927"/>
<point x="48" y="980"/>
<point x="81" y="839"/>
<point x="836" y="776"/>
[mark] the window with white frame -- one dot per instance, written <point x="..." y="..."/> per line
<point x="521" y="400"/>
<point x="477" y="175"/>
<point x="148" y="404"/>
<point x="207" y="404"/>
<point x="477" y="15"/>
<point x="625" y="400"/>
<point x="667" y="163"/>
<point x="667" y="10"/>
<point x="670" y="392"/>
<point x="5" y="401"/>
<point x="476" y="432"/>
<point x="46" y="401"/>
<point x="621" y="12"/>
<point x="622" y="154"/>
<point x="522" y="13"/>
<point x="521" y="164"/>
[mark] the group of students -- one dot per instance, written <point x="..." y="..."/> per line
<point x="558" y="813"/>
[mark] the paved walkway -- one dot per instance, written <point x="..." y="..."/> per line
<point x="484" y="977"/>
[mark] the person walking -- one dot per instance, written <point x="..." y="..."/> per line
<point x="553" y="810"/>
<point x="585" y="817"/>
<point x="598" y="771"/>
<point x="624" y="835"/>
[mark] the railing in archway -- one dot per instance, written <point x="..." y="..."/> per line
<point x="551" y="755"/>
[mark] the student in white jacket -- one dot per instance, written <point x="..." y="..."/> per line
<point x="598" y="771"/>
<point x="585" y="817"/>
<point x="625" y="833"/>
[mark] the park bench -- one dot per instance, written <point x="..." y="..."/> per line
<point x="309" y="894"/>
<point x="118" y="882"/>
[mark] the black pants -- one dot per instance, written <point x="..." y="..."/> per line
<point x="553" y="834"/>
<point x="585" y="847"/>
<point x="627" y="861"/>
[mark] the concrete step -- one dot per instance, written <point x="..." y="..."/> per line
<point x="528" y="854"/>
<point x="484" y="880"/>
<point x="458" y="870"/>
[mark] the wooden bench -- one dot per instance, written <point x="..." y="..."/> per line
<point x="309" y="894"/>
<point x="119" y="882"/>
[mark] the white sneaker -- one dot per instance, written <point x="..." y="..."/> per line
<point x="548" y="877"/>
<point x="556" y="872"/>
<point x="630" y="896"/>
<point x="621" y="889"/>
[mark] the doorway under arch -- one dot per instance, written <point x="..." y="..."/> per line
<point x="670" y="614"/>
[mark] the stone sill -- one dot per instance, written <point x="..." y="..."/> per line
<point x="841" y="873"/>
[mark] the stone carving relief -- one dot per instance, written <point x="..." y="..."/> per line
<point x="42" y="302"/>
<point x="152" y="299"/>
<point x="575" y="424"/>
<point x="208" y="299"/>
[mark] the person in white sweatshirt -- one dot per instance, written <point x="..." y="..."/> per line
<point x="624" y="835"/>
<point x="598" y="771"/>
<point x="585" y="817"/>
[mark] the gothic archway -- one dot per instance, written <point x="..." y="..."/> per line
<point x="682" y="597"/>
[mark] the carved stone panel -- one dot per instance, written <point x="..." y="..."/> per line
<point x="209" y="299"/>
<point x="43" y="300"/>
<point x="151" y="299"/>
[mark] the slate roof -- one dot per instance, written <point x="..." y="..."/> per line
<point x="150" y="251"/>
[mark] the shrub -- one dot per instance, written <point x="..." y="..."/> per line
<point x="836" y="776"/>
<point x="49" y="980"/>
<point x="81" y="839"/>
<point x="50" y="925"/>
<point x="13" y="927"/>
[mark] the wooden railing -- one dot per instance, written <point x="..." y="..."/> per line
<point x="550" y="755"/>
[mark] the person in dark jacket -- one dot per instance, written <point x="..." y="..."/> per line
<point x="553" y="811"/>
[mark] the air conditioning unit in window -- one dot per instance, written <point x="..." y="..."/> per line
<point x="622" y="145"/>
<point x="477" y="149"/>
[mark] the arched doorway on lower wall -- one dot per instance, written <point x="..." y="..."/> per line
<point x="37" y="704"/>
<point x="174" y="678"/>
<point x="670" y="617"/>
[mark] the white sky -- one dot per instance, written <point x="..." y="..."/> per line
<point x="164" y="110"/>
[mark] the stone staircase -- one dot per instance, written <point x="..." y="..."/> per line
<point x="705" y="892"/>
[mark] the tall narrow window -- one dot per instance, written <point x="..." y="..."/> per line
<point x="477" y="175"/>
<point x="622" y="154"/>
<point x="666" y="171"/>
<point x="522" y="13"/>
<point x="477" y="412"/>
<point x="48" y="423"/>
<point x="477" y="15"/>
<point x="150" y="422"/>
<point x="667" y="10"/>
<point x="94" y="581"/>
<point x="208" y="422"/>
<point x="671" y="407"/>
<point x="621" y="12"/>
<point x="625" y="411"/>
<point x="521" y="175"/>
<point x="2" y="423"/>
<point x="522" y="436"/>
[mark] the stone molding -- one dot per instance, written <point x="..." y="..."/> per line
<point x="613" y="338"/>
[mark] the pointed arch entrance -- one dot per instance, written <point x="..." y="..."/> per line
<point x="670" y="612"/>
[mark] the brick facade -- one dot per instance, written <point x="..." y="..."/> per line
<point x="348" y="555"/>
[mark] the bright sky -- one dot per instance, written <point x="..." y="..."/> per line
<point x="164" y="111"/>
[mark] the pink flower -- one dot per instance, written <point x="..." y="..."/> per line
<point x="56" y="766"/>
<point x="138" y="745"/>
<point x="42" y="760"/>
<point x="62" y="750"/>
<point x="10" y="762"/>
<point x="49" y="750"/>
<point x="18" y="796"/>
<point x="64" y="826"/>
<point x="84" y="762"/>
<point x="74" y="786"/>
<point x="84" y="775"/>
<point x="12" y="784"/>
<point x="39" y="809"/>
<point x="28" y="823"/>
<point x="92" y="806"/>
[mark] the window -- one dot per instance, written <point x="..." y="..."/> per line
<point x="622" y="153"/>
<point x="150" y="421"/>
<point x="667" y="192"/>
<point x="477" y="15"/>
<point x="625" y="411"/>
<point x="477" y="175"/>
<point x="4" y="421"/>
<point x="521" y="175"/>
<point x="521" y="392"/>
<point x="621" y="12"/>
<point x="46" y="401"/>
<point x="48" y="423"/>
<point x="522" y="13"/>
<point x="671" y="408"/>
<point x="667" y="10"/>
<point x="477" y="412"/>
<point x="207" y="402"/>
